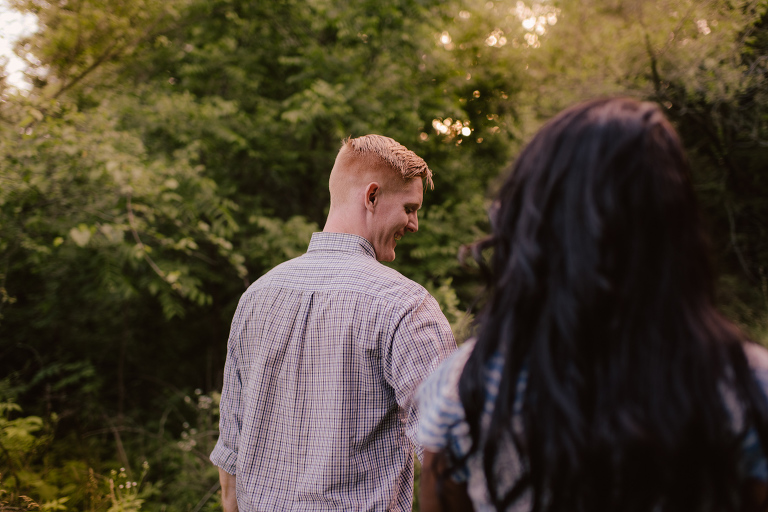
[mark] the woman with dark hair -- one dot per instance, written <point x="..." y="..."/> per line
<point x="602" y="377"/>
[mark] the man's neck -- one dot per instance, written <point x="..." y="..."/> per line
<point x="340" y="223"/>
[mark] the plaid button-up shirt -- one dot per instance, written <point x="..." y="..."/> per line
<point x="324" y="355"/>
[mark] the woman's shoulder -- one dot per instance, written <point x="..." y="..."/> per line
<point x="757" y="356"/>
<point x="445" y="379"/>
<point x="440" y="408"/>
<point x="752" y="454"/>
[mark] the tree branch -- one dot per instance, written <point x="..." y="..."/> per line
<point x="109" y="54"/>
<point x="137" y="238"/>
<point x="734" y="243"/>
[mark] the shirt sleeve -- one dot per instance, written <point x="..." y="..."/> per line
<point x="421" y="341"/>
<point x="442" y="424"/>
<point x="224" y="454"/>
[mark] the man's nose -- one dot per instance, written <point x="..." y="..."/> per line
<point x="413" y="224"/>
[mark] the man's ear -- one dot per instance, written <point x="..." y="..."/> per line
<point x="372" y="194"/>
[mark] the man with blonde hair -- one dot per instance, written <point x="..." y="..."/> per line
<point x="326" y="351"/>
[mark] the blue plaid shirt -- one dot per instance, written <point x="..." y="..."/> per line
<point x="324" y="355"/>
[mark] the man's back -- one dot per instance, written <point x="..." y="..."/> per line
<point x="323" y="358"/>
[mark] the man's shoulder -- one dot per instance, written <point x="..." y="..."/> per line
<point x="276" y="271"/>
<point x="356" y="273"/>
<point x="389" y="274"/>
<point x="368" y="276"/>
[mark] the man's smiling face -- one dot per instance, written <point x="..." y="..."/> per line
<point x="396" y="213"/>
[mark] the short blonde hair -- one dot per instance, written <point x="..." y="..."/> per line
<point x="405" y="162"/>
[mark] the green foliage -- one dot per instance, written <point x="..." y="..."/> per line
<point x="83" y="40"/>
<point x="705" y="62"/>
<point x="278" y="240"/>
<point x="22" y="440"/>
<point x="39" y="476"/>
<point x="171" y="152"/>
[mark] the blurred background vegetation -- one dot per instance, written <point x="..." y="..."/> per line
<point x="169" y="152"/>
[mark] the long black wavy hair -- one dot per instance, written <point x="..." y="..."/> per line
<point x="601" y="290"/>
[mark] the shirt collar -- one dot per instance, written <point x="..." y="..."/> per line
<point x="341" y="242"/>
